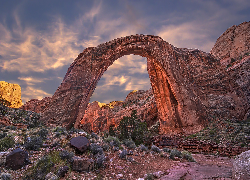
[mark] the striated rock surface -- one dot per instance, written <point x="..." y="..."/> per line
<point x="11" y="93"/>
<point x="36" y="105"/>
<point x="99" y="117"/>
<point x="233" y="43"/>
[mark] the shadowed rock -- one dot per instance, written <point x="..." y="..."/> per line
<point x="17" y="159"/>
<point x="80" y="143"/>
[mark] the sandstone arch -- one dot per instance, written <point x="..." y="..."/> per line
<point x="181" y="80"/>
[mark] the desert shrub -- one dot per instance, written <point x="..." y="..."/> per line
<point x="2" y="135"/>
<point x="129" y="143"/>
<point x="143" y="148"/>
<point x="95" y="149"/>
<point x="175" y="152"/>
<point x="112" y="130"/>
<point x="105" y="147"/>
<point x="94" y="135"/>
<point x="44" y="166"/>
<point x="99" y="160"/>
<point x="132" y="128"/>
<point x="187" y="155"/>
<point x="113" y="141"/>
<point x="167" y="150"/>
<point x="149" y="176"/>
<point x="232" y="60"/>
<point x="155" y="149"/>
<point x="33" y="143"/>
<point x="6" y="143"/>
<point x="65" y="155"/>
<point x="43" y="133"/>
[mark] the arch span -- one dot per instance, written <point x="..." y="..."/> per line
<point x="176" y="76"/>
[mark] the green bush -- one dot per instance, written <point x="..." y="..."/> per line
<point x="187" y="155"/>
<point x="48" y="163"/>
<point x="43" y="133"/>
<point x="6" y="143"/>
<point x="129" y="143"/>
<point x="33" y="143"/>
<point x="132" y="128"/>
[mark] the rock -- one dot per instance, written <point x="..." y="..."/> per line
<point x="51" y="176"/>
<point x="233" y="43"/>
<point x="123" y="154"/>
<point x="5" y="176"/>
<point x="82" y="164"/>
<point x="62" y="171"/>
<point x="3" y="157"/>
<point x="17" y="159"/>
<point x="11" y="93"/>
<point x="36" y="105"/>
<point x="241" y="166"/>
<point x="80" y="143"/>
<point x="197" y="171"/>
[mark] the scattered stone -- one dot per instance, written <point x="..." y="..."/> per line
<point x="80" y="143"/>
<point x="100" y="160"/>
<point x="82" y="164"/>
<point x="17" y="159"/>
<point x="62" y="171"/>
<point x="6" y="176"/>
<point x="155" y="149"/>
<point x="123" y="154"/>
<point x="158" y="174"/>
<point x="3" y="158"/>
<point x="143" y="148"/>
<point x="51" y="176"/>
<point x="241" y="166"/>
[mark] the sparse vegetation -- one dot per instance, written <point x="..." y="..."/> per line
<point x="6" y="143"/>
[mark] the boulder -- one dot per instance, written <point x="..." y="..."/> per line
<point x="241" y="166"/>
<point x="51" y="176"/>
<point x="81" y="143"/>
<point x="62" y="171"/>
<point x="82" y="164"/>
<point x="17" y="159"/>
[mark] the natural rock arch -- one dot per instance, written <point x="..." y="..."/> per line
<point x="181" y="80"/>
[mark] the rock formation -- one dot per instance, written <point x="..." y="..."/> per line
<point x="233" y="43"/>
<point x="190" y="87"/>
<point x="11" y="93"/>
<point x="99" y="117"/>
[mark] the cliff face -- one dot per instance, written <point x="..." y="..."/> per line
<point x="234" y="43"/>
<point x="98" y="117"/>
<point x="232" y="48"/>
<point x="11" y="93"/>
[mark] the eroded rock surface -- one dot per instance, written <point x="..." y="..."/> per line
<point x="241" y="166"/>
<point x="11" y="93"/>
<point x="233" y="43"/>
<point x="99" y="117"/>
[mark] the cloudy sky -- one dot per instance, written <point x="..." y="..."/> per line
<point x="40" y="39"/>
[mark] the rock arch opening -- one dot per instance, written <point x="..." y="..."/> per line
<point x="126" y="74"/>
<point x="179" y="106"/>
